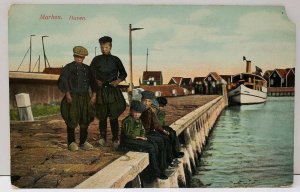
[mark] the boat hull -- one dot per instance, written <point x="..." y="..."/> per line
<point x="244" y="95"/>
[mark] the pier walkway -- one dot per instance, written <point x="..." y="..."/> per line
<point x="40" y="159"/>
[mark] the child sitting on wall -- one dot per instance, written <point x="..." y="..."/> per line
<point x="133" y="138"/>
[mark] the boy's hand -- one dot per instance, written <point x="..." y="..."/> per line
<point x="115" y="82"/>
<point x="99" y="83"/>
<point x="142" y="138"/>
<point x="93" y="99"/>
<point x="166" y="132"/>
<point x="69" y="97"/>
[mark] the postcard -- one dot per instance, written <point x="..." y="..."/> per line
<point x="151" y="96"/>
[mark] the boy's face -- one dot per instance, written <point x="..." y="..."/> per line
<point x="136" y="115"/>
<point x="78" y="59"/>
<point x="105" y="48"/>
<point x="147" y="102"/>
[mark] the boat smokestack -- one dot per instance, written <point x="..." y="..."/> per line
<point x="248" y="66"/>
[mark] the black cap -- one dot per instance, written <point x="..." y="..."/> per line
<point x="105" y="39"/>
<point x="162" y="101"/>
<point x="136" y="106"/>
<point x="148" y="95"/>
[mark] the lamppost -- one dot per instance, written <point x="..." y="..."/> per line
<point x="45" y="58"/>
<point x="130" y="62"/>
<point x="30" y="48"/>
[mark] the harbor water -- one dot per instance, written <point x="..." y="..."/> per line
<point x="250" y="146"/>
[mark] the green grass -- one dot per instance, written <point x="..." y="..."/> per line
<point x="37" y="111"/>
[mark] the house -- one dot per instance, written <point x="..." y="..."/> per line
<point x="267" y="75"/>
<point x="152" y="78"/>
<point x="278" y="78"/>
<point x="185" y="83"/>
<point x="198" y="80"/>
<point x="214" y="77"/>
<point x="175" y="80"/>
<point x="290" y="78"/>
<point x="165" y="90"/>
<point x="212" y="83"/>
<point x="198" y="84"/>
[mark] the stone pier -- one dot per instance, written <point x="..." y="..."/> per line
<point x="40" y="159"/>
<point x="195" y="128"/>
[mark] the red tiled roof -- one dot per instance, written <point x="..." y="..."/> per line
<point x="149" y="74"/>
<point x="166" y="90"/>
<point x="53" y="70"/>
<point x="216" y="76"/>
<point x="177" y="80"/>
<point x="281" y="72"/>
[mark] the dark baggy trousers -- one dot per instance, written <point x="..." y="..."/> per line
<point x="79" y="111"/>
<point x="162" y="142"/>
<point x="110" y="104"/>
<point x="152" y="171"/>
<point x="173" y="140"/>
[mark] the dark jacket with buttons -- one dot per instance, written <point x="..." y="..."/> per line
<point x="106" y="68"/>
<point x="75" y="78"/>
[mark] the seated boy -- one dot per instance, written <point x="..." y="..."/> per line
<point x="154" y="130"/>
<point x="133" y="138"/>
<point x="160" y="114"/>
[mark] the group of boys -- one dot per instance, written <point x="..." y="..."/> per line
<point x="103" y="76"/>
<point x="143" y="129"/>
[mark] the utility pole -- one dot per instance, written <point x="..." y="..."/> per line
<point x="147" y="61"/>
<point x="45" y="57"/>
<point x="30" y="49"/>
<point x="130" y="89"/>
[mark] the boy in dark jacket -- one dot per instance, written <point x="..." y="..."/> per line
<point x="160" y="103"/>
<point x="75" y="107"/>
<point x="107" y="71"/>
<point x="154" y="130"/>
<point x="134" y="138"/>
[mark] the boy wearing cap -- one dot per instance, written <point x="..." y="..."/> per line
<point x="160" y="114"/>
<point x="107" y="71"/>
<point x="153" y="128"/>
<point x="75" y="107"/>
<point x="133" y="138"/>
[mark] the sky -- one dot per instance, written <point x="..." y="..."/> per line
<point x="183" y="40"/>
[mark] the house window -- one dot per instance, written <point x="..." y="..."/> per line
<point x="272" y="82"/>
<point x="209" y="78"/>
<point x="274" y="75"/>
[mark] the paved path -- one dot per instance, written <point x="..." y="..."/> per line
<point x="39" y="155"/>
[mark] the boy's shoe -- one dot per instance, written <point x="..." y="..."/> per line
<point x="102" y="142"/>
<point x="163" y="176"/>
<point x="73" y="147"/>
<point x="176" y="161"/>
<point x="116" y="144"/>
<point x="173" y="164"/>
<point x="86" y="146"/>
